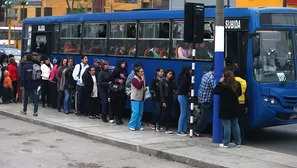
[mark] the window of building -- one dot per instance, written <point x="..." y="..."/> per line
<point x="94" y="38"/>
<point x="122" y="38"/>
<point x="56" y="35"/>
<point x="182" y="50"/>
<point x="48" y="11"/>
<point x="23" y="13"/>
<point x="154" y="39"/>
<point x="2" y="14"/>
<point x="27" y="38"/>
<point x="70" y="38"/>
<point x="38" y="12"/>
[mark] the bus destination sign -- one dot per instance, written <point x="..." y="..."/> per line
<point x="236" y="24"/>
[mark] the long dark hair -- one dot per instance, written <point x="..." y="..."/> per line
<point x="185" y="72"/>
<point x="229" y="80"/>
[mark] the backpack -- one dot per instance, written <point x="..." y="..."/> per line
<point x="36" y="72"/>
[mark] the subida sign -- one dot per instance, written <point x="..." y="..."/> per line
<point x="236" y="24"/>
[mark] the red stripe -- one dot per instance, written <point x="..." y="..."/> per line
<point x="293" y="2"/>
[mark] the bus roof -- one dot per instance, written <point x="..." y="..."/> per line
<point x="150" y="15"/>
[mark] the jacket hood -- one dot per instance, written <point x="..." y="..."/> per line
<point x="6" y="74"/>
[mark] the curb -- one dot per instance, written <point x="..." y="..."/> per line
<point x="114" y="142"/>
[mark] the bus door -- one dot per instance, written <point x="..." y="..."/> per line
<point x="236" y="39"/>
<point x="41" y="39"/>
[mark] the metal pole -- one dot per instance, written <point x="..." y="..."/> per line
<point x="9" y="32"/>
<point x="23" y="12"/>
<point x="218" y="68"/>
<point x="192" y="89"/>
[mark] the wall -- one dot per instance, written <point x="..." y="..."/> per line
<point x="112" y="6"/>
<point x="259" y="3"/>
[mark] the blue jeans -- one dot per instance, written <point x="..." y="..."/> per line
<point x="184" y="113"/>
<point x="137" y="110"/>
<point x="35" y="99"/>
<point x="228" y="125"/>
<point x="67" y="99"/>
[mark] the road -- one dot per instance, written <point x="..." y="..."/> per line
<point x="31" y="146"/>
<point x="279" y="139"/>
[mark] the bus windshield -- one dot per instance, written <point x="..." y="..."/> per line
<point x="276" y="60"/>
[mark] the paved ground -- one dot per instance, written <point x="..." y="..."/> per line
<point x="196" y="151"/>
<point x="24" y="145"/>
<point x="279" y="139"/>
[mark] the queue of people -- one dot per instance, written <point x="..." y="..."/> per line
<point x="99" y="93"/>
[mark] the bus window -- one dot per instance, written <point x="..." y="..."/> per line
<point x="70" y="38"/>
<point x="276" y="61"/>
<point x="56" y="34"/>
<point x="122" y="39"/>
<point x="154" y="39"/>
<point x="94" y="38"/>
<point x="181" y="50"/>
<point x="27" y="38"/>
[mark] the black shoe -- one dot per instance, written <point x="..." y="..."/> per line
<point x="158" y="127"/>
<point x="43" y="105"/>
<point x="86" y="114"/>
<point x="24" y="112"/>
<point x="118" y="122"/>
<point x="78" y="114"/>
<point x="15" y="101"/>
<point x="59" y="110"/>
<point x="98" y="117"/>
<point x="121" y="121"/>
<point x="104" y="119"/>
<point x="35" y="114"/>
<point x="66" y="112"/>
<point x="49" y="105"/>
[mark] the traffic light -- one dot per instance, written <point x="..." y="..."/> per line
<point x="8" y="2"/>
<point x="24" y="3"/>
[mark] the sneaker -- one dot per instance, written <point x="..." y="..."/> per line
<point x="238" y="146"/>
<point x="224" y="146"/>
<point x="66" y="112"/>
<point x="158" y="128"/>
<point x="91" y="117"/>
<point x="153" y="127"/>
<point x="141" y="129"/>
<point x="181" y="134"/>
<point x="186" y="132"/>
<point x="24" y="112"/>
<point x="104" y="119"/>
<point x="132" y="129"/>
<point x="98" y="117"/>
<point x="168" y="131"/>
<point x="78" y="114"/>
<point x="35" y="114"/>
<point x="111" y="121"/>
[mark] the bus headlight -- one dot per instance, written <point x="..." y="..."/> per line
<point x="270" y="100"/>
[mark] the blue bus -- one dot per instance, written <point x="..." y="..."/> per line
<point x="261" y="41"/>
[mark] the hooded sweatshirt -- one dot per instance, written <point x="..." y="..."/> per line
<point x="7" y="80"/>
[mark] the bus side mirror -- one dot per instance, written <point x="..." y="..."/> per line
<point x="256" y="45"/>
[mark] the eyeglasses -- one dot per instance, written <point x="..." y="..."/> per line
<point x="141" y="71"/>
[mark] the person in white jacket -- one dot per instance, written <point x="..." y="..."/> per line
<point x="46" y="70"/>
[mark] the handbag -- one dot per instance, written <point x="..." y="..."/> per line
<point x="116" y="87"/>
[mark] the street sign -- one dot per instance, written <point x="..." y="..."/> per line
<point x="12" y="13"/>
<point x="29" y="3"/>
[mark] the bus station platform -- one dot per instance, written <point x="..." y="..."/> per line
<point x="198" y="152"/>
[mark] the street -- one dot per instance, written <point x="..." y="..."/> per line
<point x="279" y="139"/>
<point x="25" y="145"/>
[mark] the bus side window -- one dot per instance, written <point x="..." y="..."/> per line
<point x="94" y="38"/>
<point x="122" y="38"/>
<point x="56" y="39"/>
<point x="154" y="39"/>
<point x="70" y="40"/>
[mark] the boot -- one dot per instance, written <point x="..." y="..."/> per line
<point x="104" y="118"/>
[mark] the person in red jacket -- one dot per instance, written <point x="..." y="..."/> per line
<point x="14" y="75"/>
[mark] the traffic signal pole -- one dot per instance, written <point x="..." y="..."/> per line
<point x="217" y="129"/>
<point x="9" y="32"/>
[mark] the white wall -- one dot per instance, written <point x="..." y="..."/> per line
<point x="179" y="4"/>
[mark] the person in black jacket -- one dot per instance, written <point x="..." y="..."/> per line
<point x="184" y="81"/>
<point x="155" y="92"/>
<point x="91" y="92"/>
<point x="103" y="81"/>
<point x="167" y="86"/>
<point x="69" y="86"/>
<point x="30" y="86"/>
<point x="117" y="97"/>
<point x="229" y="90"/>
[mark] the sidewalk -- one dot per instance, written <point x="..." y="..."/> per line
<point x="200" y="152"/>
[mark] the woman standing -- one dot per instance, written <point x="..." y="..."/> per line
<point x="229" y="90"/>
<point x="155" y="92"/>
<point x="58" y="77"/>
<point x="53" y="85"/>
<point x="14" y="76"/>
<point x="137" y="100"/>
<point x="69" y="86"/>
<point x="91" y="92"/>
<point x="184" y="81"/>
<point x="46" y="70"/>
<point x="103" y="81"/>
<point x="117" y="95"/>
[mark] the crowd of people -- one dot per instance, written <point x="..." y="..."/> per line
<point x="99" y="93"/>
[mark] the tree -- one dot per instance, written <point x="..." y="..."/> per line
<point x="82" y="6"/>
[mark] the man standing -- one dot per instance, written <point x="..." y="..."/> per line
<point x="97" y="65"/>
<point x="205" y="96"/>
<point x="30" y="81"/>
<point x="78" y="71"/>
